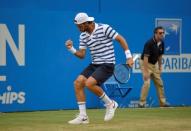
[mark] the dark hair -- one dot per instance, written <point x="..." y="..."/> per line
<point x="89" y="22"/>
<point x="157" y="28"/>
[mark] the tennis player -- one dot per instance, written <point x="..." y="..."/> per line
<point x="98" y="38"/>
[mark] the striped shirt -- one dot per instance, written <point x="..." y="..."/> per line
<point x="100" y="43"/>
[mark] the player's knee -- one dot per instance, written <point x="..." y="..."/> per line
<point x="88" y="84"/>
<point x="78" y="83"/>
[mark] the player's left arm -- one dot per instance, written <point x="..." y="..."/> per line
<point x="124" y="45"/>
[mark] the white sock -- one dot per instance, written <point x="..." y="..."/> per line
<point x="105" y="99"/>
<point x="82" y="108"/>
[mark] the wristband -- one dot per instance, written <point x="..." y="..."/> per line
<point x="72" y="50"/>
<point x="128" y="54"/>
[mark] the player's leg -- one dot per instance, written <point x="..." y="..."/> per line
<point x="79" y="85"/>
<point x="82" y="117"/>
<point x="91" y="84"/>
<point x="101" y="74"/>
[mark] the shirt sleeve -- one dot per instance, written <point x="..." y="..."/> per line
<point x="147" y="50"/>
<point x="110" y="32"/>
<point x="82" y="44"/>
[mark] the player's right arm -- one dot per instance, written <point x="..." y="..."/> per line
<point x="79" y="53"/>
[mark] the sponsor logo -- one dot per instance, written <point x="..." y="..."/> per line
<point x="18" y="52"/>
<point x="10" y="97"/>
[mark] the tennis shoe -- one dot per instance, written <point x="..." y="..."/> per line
<point x="110" y="110"/>
<point x="80" y="119"/>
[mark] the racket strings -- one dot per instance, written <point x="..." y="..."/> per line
<point x="122" y="73"/>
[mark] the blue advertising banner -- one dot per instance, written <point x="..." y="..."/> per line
<point x="37" y="71"/>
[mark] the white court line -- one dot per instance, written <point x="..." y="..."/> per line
<point x="2" y="78"/>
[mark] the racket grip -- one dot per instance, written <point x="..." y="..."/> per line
<point x="135" y="57"/>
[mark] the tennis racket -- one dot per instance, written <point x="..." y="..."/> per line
<point x="122" y="72"/>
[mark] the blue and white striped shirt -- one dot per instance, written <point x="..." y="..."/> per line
<point x="100" y="43"/>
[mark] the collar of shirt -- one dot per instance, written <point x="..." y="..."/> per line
<point x="158" y="43"/>
<point x="90" y="35"/>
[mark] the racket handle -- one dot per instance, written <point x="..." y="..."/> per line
<point x="135" y="57"/>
